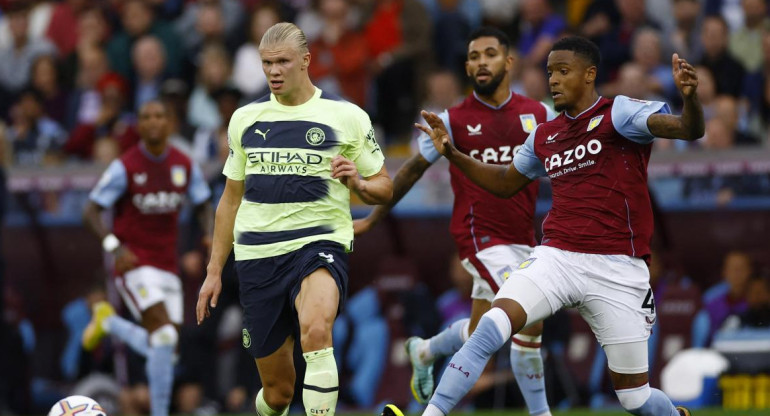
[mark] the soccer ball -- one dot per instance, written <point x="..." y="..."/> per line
<point x="77" y="406"/>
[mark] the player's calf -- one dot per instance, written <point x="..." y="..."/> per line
<point x="273" y="400"/>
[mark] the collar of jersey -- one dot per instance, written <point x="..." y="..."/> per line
<point x="584" y="111"/>
<point x="151" y="156"/>
<point x="316" y="94"/>
<point x="510" y="95"/>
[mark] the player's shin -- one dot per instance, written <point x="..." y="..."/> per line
<point x="466" y="366"/>
<point x="527" y="365"/>
<point x="446" y="342"/>
<point x="160" y="368"/>
<point x="321" y="386"/>
<point x="644" y="401"/>
<point x="132" y="334"/>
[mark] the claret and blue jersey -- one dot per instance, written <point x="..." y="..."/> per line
<point x="597" y="163"/>
<point x="283" y="154"/>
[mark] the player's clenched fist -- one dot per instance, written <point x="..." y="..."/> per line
<point x="437" y="132"/>
<point x="345" y="170"/>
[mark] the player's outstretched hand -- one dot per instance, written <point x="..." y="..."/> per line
<point x="437" y="132"/>
<point x="684" y="75"/>
<point x="208" y="296"/>
<point x="125" y="260"/>
<point x="345" y="170"/>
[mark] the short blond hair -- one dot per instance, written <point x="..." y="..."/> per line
<point x="284" y="33"/>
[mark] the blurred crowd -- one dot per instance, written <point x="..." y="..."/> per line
<point x="73" y="72"/>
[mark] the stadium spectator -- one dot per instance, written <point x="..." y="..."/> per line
<point x="727" y="109"/>
<point x="443" y="91"/>
<point x="725" y="298"/>
<point x="340" y="54"/>
<point x="64" y="18"/>
<point x="684" y="36"/>
<point x="540" y="28"/>
<point x="214" y="72"/>
<point x="174" y="94"/>
<point x="85" y="101"/>
<point x="16" y="59"/>
<point x="35" y="138"/>
<point x="149" y="61"/>
<point x="727" y="71"/>
<point x="47" y="79"/>
<point x="138" y="19"/>
<point x="647" y="53"/>
<point x="757" y="314"/>
<point x="247" y="67"/>
<point x="222" y="18"/>
<point x="113" y="121"/>
<point x="616" y="43"/>
<point x="453" y="21"/>
<point x="206" y="143"/>
<point x="398" y="35"/>
<point x="746" y="42"/>
<point x="718" y="135"/>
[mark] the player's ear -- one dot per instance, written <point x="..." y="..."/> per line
<point x="591" y="74"/>
<point x="509" y="59"/>
<point x="305" y="61"/>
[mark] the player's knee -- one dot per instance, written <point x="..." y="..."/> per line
<point x="278" y="394"/>
<point x="316" y="335"/>
<point x="165" y="336"/>
<point x="534" y="330"/>
<point x="632" y="399"/>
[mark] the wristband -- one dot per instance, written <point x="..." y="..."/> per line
<point x="110" y="243"/>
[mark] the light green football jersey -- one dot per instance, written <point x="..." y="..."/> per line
<point x="284" y="153"/>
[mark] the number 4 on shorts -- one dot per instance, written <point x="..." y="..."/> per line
<point x="649" y="302"/>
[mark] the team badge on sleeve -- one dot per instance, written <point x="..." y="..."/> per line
<point x="526" y="263"/>
<point x="594" y="122"/>
<point x="528" y="122"/>
<point x="504" y="273"/>
<point x="178" y="175"/>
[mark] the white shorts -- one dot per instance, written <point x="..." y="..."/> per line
<point x="147" y="286"/>
<point x="611" y="292"/>
<point x="492" y="266"/>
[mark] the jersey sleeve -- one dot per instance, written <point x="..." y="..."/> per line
<point x="629" y="117"/>
<point x="111" y="186"/>
<point x="198" y="191"/>
<point x="427" y="150"/>
<point x="550" y="114"/>
<point x="526" y="162"/>
<point x="235" y="165"/>
<point x="365" y="152"/>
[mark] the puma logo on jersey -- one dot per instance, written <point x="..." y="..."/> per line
<point x="474" y="130"/>
<point x="328" y="257"/>
<point x="551" y="138"/>
<point x="264" y="135"/>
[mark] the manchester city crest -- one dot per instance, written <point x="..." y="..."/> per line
<point x="246" y="338"/>
<point x="178" y="175"/>
<point x="315" y="136"/>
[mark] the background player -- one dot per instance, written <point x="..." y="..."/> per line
<point x="597" y="233"/>
<point x="146" y="187"/>
<point x="492" y="234"/>
<point x="295" y="156"/>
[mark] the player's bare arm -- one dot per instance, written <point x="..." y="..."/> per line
<point x="405" y="178"/>
<point x="690" y="124"/>
<point x="501" y="181"/>
<point x="125" y="260"/>
<point x="373" y="190"/>
<point x="220" y="248"/>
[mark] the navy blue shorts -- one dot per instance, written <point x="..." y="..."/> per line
<point x="269" y="286"/>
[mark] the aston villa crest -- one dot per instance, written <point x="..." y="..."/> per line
<point x="178" y="175"/>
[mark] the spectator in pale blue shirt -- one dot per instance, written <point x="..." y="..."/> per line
<point x="34" y="137"/>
